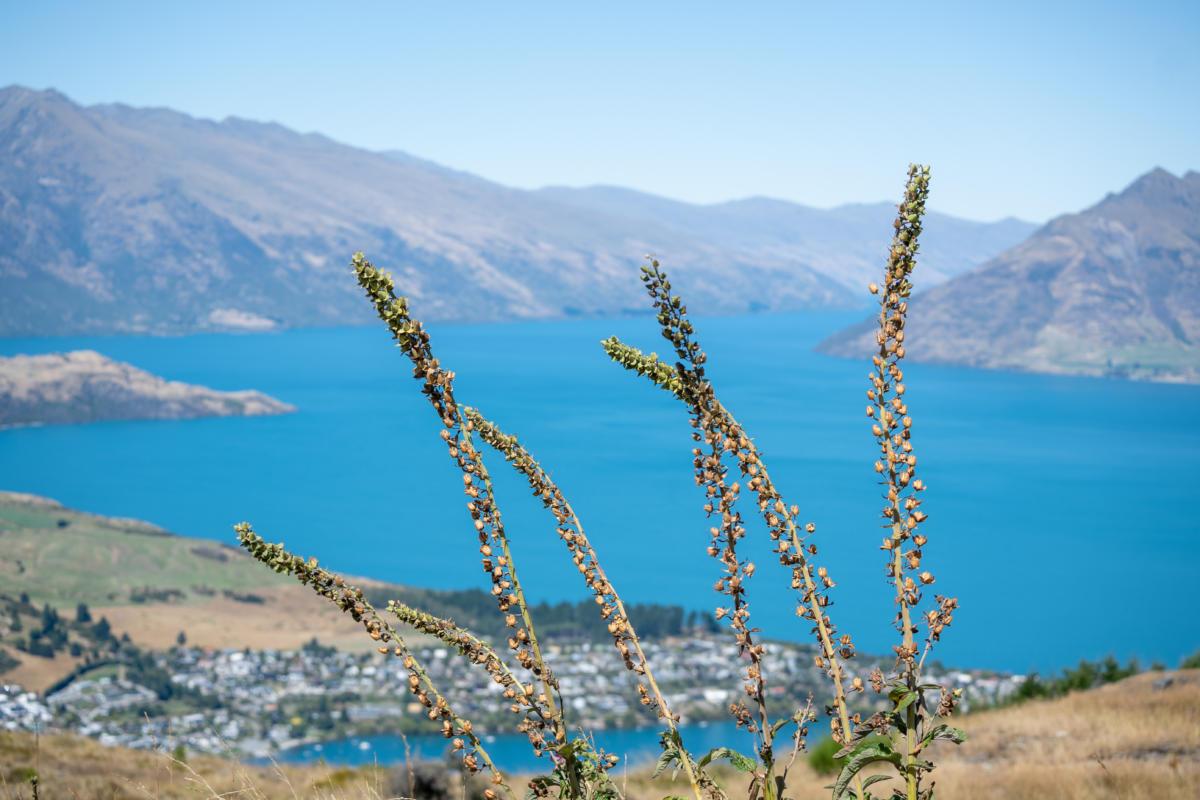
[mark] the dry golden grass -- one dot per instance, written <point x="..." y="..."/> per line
<point x="1128" y="741"/>
<point x="75" y="767"/>
<point x="36" y="673"/>
<point x="289" y="617"/>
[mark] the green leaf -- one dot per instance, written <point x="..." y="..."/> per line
<point x="778" y="726"/>
<point x="904" y="701"/>
<point x="740" y="762"/>
<point x="876" y="779"/>
<point x="946" y="732"/>
<point x="664" y="761"/>
<point x="862" y="744"/>
<point x="870" y="755"/>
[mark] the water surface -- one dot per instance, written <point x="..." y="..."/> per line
<point x="1062" y="510"/>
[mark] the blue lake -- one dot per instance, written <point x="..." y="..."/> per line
<point x="512" y="752"/>
<point x="1063" y="512"/>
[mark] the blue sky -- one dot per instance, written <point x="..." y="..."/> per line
<point x="1025" y="109"/>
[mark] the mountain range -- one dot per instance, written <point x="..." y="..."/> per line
<point x="1111" y="291"/>
<point x="144" y="220"/>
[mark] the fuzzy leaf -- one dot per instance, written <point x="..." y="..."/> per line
<point x="861" y="744"/>
<point x="904" y="701"/>
<point x="870" y="755"/>
<point x="946" y="732"/>
<point x="664" y="761"/>
<point x="740" y="762"/>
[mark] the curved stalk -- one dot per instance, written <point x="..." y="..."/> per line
<point x="352" y="600"/>
<point x="609" y="600"/>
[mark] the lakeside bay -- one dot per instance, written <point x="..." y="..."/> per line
<point x="1036" y="482"/>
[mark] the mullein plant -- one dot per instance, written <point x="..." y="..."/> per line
<point x="727" y="465"/>
<point x="899" y="737"/>
<point x="580" y="770"/>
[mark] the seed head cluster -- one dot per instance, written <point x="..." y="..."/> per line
<point x="583" y="555"/>
<point x="457" y="433"/>
<point x="908" y="724"/>
<point x="521" y="696"/>
<point x="587" y="563"/>
<point x="727" y="465"/>
<point x="891" y="424"/>
<point x="353" y="601"/>
<point x="726" y="441"/>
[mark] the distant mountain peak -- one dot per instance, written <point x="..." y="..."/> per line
<point x="1157" y="182"/>
<point x="1112" y="290"/>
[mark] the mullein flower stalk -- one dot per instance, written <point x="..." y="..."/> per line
<point x="904" y="543"/>
<point x="790" y="537"/>
<point x="898" y="737"/>
<point x="351" y="600"/>
<point x="724" y="436"/>
<point x="520" y="695"/>
<point x="587" y="562"/>
<point x="457" y="433"/>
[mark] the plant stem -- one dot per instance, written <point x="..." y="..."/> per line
<point x="911" y="770"/>
<point x="560" y="732"/>
<point x="810" y="588"/>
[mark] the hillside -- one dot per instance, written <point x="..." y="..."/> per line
<point x="152" y="584"/>
<point x="1136" y="740"/>
<point x="84" y="386"/>
<point x="120" y="220"/>
<point x="1113" y="290"/>
<point x="74" y="766"/>
<point x="843" y="243"/>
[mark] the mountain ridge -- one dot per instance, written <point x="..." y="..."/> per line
<point x="116" y="219"/>
<point x="1113" y="290"/>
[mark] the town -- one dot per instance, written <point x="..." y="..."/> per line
<point x="258" y="703"/>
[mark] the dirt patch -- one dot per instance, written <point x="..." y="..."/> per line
<point x="286" y="619"/>
<point x="36" y="673"/>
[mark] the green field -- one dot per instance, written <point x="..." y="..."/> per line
<point x="64" y="557"/>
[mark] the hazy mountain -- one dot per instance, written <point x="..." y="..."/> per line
<point x="116" y="219"/>
<point x="1112" y="290"/>
<point x="843" y="243"/>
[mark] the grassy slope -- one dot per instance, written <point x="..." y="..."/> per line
<point x="73" y="766"/>
<point x="99" y="560"/>
<point x="64" y="557"/>
<point x="1130" y="740"/>
<point x="1126" y="741"/>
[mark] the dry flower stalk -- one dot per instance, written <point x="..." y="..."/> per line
<point x="351" y="600"/>
<point x="438" y="387"/>
<point x="891" y="425"/>
<point x="782" y="520"/>
<point x="898" y="737"/>
<point x="587" y="562"/>
<point x="724" y="438"/>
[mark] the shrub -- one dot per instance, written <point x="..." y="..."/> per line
<point x="823" y="757"/>
<point x="727" y="465"/>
